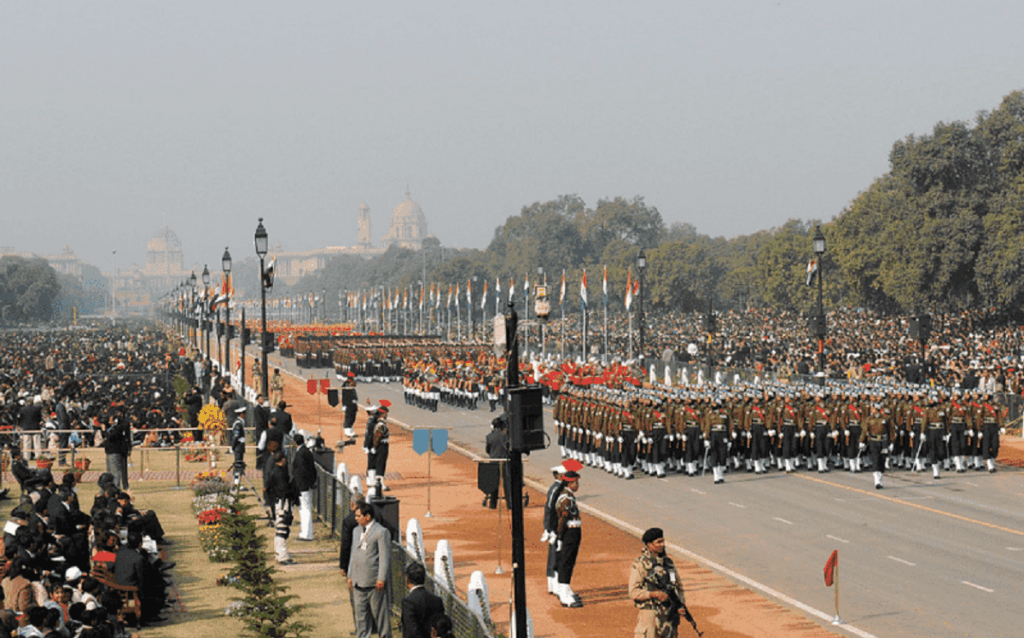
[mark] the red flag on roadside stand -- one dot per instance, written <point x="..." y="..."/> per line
<point x="830" y="567"/>
<point x="311" y="386"/>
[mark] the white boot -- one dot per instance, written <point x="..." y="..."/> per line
<point x="958" y="461"/>
<point x="919" y="465"/>
<point x="991" y="463"/>
<point x="935" y="470"/>
<point x="821" y="465"/>
<point x="789" y="466"/>
<point x="857" y="463"/>
<point x="660" y="469"/>
<point x="810" y="463"/>
<point x="567" y="597"/>
<point x="878" y="480"/>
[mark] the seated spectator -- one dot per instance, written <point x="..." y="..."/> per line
<point x="17" y="586"/>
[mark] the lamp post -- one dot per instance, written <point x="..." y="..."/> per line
<point x="819" y="324"/>
<point x="206" y="287"/>
<point x="542" y="280"/>
<point x="225" y="263"/>
<point x="192" y="310"/>
<point x="262" y="244"/>
<point x="641" y="263"/>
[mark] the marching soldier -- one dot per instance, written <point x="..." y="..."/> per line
<point x="877" y="435"/>
<point x="819" y="415"/>
<point x="960" y="422"/>
<point x="716" y="439"/>
<point x="692" y="447"/>
<point x="991" y="428"/>
<point x="936" y="433"/>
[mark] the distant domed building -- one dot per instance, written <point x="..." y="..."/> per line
<point x="163" y="254"/>
<point x="408" y="226"/>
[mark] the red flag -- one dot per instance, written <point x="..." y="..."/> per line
<point x="311" y="386"/>
<point x="325" y="385"/>
<point x="830" y="567"/>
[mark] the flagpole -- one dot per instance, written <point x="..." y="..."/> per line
<point x="835" y="574"/>
<point x="605" y="361"/>
<point x="630" y="333"/>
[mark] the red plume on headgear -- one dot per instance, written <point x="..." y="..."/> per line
<point x="385" y="404"/>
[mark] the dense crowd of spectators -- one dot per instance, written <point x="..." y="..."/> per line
<point x="971" y="349"/>
<point x="64" y="561"/>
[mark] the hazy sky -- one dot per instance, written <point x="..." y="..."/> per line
<point x="119" y="117"/>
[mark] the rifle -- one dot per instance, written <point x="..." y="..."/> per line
<point x="677" y="605"/>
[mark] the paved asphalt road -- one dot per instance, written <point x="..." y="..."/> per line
<point x="920" y="558"/>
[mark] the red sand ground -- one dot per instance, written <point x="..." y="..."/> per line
<point x="480" y="541"/>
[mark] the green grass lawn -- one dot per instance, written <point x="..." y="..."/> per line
<point x="199" y="613"/>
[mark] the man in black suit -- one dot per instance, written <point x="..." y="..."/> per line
<point x="280" y="420"/>
<point x="419" y="605"/>
<point x="304" y="477"/>
<point x="496" y="446"/>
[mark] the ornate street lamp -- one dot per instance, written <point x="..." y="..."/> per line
<point x="206" y="326"/>
<point x="225" y="263"/>
<point x="261" y="242"/>
<point x="641" y="264"/>
<point x="819" y="323"/>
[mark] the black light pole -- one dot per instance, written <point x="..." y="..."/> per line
<point x="515" y="486"/>
<point x="206" y="287"/>
<point x="262" y="244"/>
<point x="641" y="263"/>
<point x="192" y="310"/>
<point x="225" y="263"/>
<point x="819" y="251"/>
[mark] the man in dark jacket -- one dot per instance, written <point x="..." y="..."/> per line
<point x="280" y="494"/>
<point x="419" y="605"/>
<point x="496" y="446"/>
<point x="304" y="477"/>
<point x="117" y="443"/>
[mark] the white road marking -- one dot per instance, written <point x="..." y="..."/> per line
<point x="905" y="562"/>
<point x="971" y="484"/>
<point x="742" y="507"/>
<point x="782" y="520"/>
<point x="836" y="538"/>
<point x="1016" y="549"/>
<point x="697" y="491"/>
<point x="985" y="589"/>
<point x="663" y="480"/>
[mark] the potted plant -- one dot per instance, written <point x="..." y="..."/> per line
<point x="44" y="461"/>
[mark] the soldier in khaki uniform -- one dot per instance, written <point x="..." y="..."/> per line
<point x="652" y="582"/>
<point x="276" y="387"/>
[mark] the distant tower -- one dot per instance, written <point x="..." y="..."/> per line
<point x="365" y="239"/>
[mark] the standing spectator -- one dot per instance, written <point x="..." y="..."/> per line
<point x="304" y="476"/>
<point x="368" y="570"/>
<point x="280" y="494"/>
<point x="238" y="442"/>
<point x="419" y="605"/>
<point x="117" y="443"/>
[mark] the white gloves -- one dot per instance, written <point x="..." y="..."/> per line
<point x="620" y="439"/>
<point x="946" y="438"/>
<point x="890" y="447"/>
<point x="558" y="546"/>
<point x="734" y="435"/>
<point x="863" y="445"/>
<point x="544" y="537"/>
<point x="970" y="432"/>
<point x="366" y="450"/>
<point x="684" y="438"/>
<point x="552" y="539"/>
<point x="846" y="433"/>
<point x="373" y="450"/>
<point x="1002" y="431"/>
<point x="803" y="434"/>
<point x="771" y="432"/>
<point x="707" y="443"/>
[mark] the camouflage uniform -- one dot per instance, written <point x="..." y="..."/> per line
<point x="649" y="573"/>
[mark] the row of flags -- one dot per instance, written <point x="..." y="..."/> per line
<point x="435" y="295"/>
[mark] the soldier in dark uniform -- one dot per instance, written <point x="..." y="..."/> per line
<point x="991" y="428"/>
<point x="376" y="444"/>
<point x="350" y="400"/>
<point x="877" y="435"/>
<point x="567" y="538"/>
<point x="960" y="422"/>
<point x="819" y="415"/>
<point x="935" y="433"/>
<point x="716" y="438"/>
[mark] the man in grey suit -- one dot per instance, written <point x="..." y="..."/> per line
<point x="368" y="569"/>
